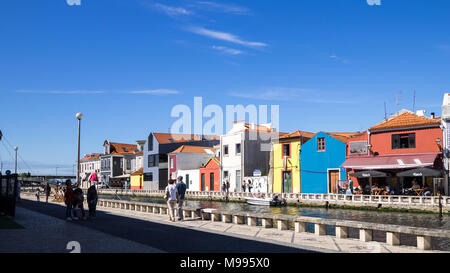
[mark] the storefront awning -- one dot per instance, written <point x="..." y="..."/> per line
<point x="390" y="161"/>
<point x="421" y="172"/>
<point x="368" y="173"/>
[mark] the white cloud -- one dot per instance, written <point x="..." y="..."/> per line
<point x="224" y="8"/>
<point x="73" y="2"/>
<point x="156" y="92"/>
<point x="227" y="50"/>
<point x="60" y="92"/>
<point x="224" y="36"/>
<point x="289" y="94"/>
<point x="171" y="11"/>
<point x="339" y="59"/>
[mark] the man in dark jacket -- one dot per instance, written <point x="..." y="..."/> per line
<point x="181" y="188"/>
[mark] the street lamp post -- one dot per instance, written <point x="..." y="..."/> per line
<point x="79" y="116"/>
<point x="15" y="161"/>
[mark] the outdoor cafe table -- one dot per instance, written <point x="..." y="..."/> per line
<point x="418" y="191"/>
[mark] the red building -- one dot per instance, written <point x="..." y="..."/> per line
<point x="210" y="175"/>
<point x="405" y="141"/>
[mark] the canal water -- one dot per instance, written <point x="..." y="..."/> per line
<point x="428" y="220"/>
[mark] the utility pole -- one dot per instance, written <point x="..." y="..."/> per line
<point x="79" y="116"/>
<point x="15" y="161"/>
<point x="414" y="102"/>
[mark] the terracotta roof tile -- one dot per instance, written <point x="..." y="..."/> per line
<point x="91" y="156"/>
<point x="138" y="172"/>
<point x="122" y="148"/>
<point x="297" y="134"/>
<point x="406" y="120"/>
<point x="193" y="149"/>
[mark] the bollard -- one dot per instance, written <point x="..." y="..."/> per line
<point x="155" y="209"/>
<point x="300" y="227"/>
<point x="365" y="235"/>
<point x="341" y="232"/>
<point x="320" y="229"/>
<point x="215" y="217"/>
<point x="283" y="224"/>
<point x="252" y="221"/>
<point x="424" y="242"/>
<point x="267" y="222"/>
<point x="393" y="238"/>
<point x="226" y="218"/>
<point x="238" y="219"/>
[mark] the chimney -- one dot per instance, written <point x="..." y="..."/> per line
<point x="432" y="115"/>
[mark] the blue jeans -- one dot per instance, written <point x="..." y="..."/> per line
<point x="92" y="207"/>
<point x="69" y="210"/>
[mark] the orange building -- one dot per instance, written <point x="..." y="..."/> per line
<point x="403" y="142"/>
<point x="210" y="175"/>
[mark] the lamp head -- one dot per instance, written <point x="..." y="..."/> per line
<point x="79" y="116"/>
<point x="16" y="148"/>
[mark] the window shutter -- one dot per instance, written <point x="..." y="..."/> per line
<point x="395" y="141"/>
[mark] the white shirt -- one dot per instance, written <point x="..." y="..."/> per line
<point x="172" y="189"/>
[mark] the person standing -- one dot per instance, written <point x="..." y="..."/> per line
<point x="68" y="198"/>
<point x="19" y="185"/>
<point x="250" y="186"/>
<point x="243" y="185"/>
<point x="92" y="198"/>
<point x="350" y="185"/>
<point x="172" y="196"/>
<point x="181" y="188"/>
<point x="77" y="203"/>
<point x="48" y="191"/>
<point x="38" y="194"/>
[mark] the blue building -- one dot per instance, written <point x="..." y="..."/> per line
<point x="320" y="161"/>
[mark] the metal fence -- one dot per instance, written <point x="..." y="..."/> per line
<point x="8" y="194"/>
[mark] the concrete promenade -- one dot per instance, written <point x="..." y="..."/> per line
<point x="154" y="230"/>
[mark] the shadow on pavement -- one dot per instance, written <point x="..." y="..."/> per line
<point x="165" y="237"/>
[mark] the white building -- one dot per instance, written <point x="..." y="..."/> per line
<point x="245" y="148"/>
<point x="445" y="124"/>
<point x="191" y="178"/>
<point x="89" y="164"/>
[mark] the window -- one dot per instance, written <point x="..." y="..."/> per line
<point x="404" y="141"/>
<point x="238" y="180"/>
<point x="320" y="144"/>
<point x="286" y="150"/>
<point x="225" y="150"/>
<point x="163" y="158"/>
<point x="150" y="142"/>
<point x="148" y="176"/>
<point x="225" y="174"/>
<point x="238" y="148"/>
<point x="151" y="161"/>
<point x="187" y="181"/>
<point x="171" y="162"/>
<point x="128" y="164"/>
<point x="211" y="181"/>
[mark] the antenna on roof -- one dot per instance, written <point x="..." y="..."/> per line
<point x="397" y="97"/>
<point x="414" y="102"/>
<point x="385" y="113"/>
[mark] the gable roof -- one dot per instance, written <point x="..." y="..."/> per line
<point x="91" y="156"/>
<point x="297" y="134"/>
<point x="165" y="138"/>
<point x="138" y="172"/>
<point x="121" y="148"/>
<point x="406" y="119"/>
<point x="216" y="159"/>
<point x="194" y="149"/>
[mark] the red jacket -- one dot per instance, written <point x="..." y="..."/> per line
<point x="68" y="196"/>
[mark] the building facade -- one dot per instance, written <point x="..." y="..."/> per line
<point x="321" y="159"/>
<point x="188" y="157"/>
<point x="245" y="148"/>
<point x="156" y="159"/>
<point x="402" y="142"/>
<point x="209" y="179"/>
<point x="286" y="161"/>
<point x="89" y="164"/>
<point x="445" y="123"/>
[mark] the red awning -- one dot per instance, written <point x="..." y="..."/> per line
<point x="390" y="161"/>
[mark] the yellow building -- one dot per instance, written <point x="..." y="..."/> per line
<point x="286" y="161"/>
<point x="136" y="180"/>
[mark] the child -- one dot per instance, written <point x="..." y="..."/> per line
<point x="92" y="198"/>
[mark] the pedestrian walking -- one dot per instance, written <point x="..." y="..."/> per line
<point x="181" y="188"/>
<point x="224" y="186"/>
<point x="48" y="191"/>
<point x="92" y="198"/>
<point x="228" y="186"/>
<point x="77" y="203"/>
<point x="250" y="186"/>
<point x="68" y="198"/>
<point x="243" y="186"/>
<point x="171" y="196"/>
<point x="38" y="193"/>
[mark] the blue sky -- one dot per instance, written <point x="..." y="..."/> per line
<point x="329" y="64"/>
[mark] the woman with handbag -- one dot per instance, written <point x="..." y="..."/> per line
<point x="171" y="196"/>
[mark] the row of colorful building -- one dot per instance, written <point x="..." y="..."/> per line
<point x="296" y="162"/>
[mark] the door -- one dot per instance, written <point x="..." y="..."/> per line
<point x="211" y="181"/>
<point x="287" y="181"/>
<point x="203" y="182"/>
<point x="333" y="178"/>
<point x="238" y="181"/>
<point x="187" y="181"/>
